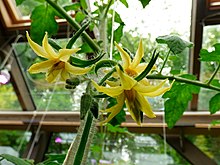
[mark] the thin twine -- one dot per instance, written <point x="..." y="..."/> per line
<point x="29" y="125"/>
<point x="36" y="136"/>
<point x="164" y="139"/>
<point x="112" y="32"/>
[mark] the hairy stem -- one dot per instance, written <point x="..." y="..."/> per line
<point x="74" y="24"/>
<point x="213" y="76"/>
<point x="184" y="80"/>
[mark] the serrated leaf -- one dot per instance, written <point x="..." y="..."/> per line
<point x="104" y="63"/>
<point x="175" y="43"/>
<point x="144" y="2"/>
<point x="118" y="33"/>
<point x="15" y="160"/>
<point x="43" y="20"/>
<point x="214" y="55"/>
<point x="214" y="104"/>
<point x="19" y="2"/>
<point x="178" y="98"/>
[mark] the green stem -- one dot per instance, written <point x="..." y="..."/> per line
<point x="213" y="76"/>
<point x="107" y="9"/>
<point x="75" y="25"/>
<point x="84" y="140"/>
<point x="165" y="61"/>
<point x="184" y="80"/>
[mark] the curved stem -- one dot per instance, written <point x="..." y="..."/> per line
<point x="165" y="61"/>
<point x="75" y="25"/>
<point x="180" y="79"/>
<point x="213" y="76"/>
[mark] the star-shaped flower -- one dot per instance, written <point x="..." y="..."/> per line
<point x="133" y="94"/>
<point x="56" y="66"/>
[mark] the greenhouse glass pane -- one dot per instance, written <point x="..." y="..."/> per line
<point x="8" y="98"/>
<point x="211" y="36"/>
<point x="121" y="149"/>
<point x="207" y="144"/>
<point x="27" y="6"/>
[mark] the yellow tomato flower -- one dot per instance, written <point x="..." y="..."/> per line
<point x="133" y="94"/>
<point x="132" y="67"/>
<point x="56" y="66"/>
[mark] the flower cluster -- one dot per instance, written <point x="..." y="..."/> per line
<point x="127" y="90"/>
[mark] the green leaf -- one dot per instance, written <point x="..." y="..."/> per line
<point x="15" y="160"/>
<point x="80" y="16"/>
<point x="85" y="48"/>
<point x="214" y="104"/>
<point x="124" y="2"/>
<point x="118" y="33"/>
<point x="177" y="101"/>
<point x="43" y="20"/>
<point x="175" y="43"/>
<point x="175" y="72"/>
<point x="205" y="55"/>
<point x="75" y="6"/>
<point x="19" y="2"/>
<point x="118" y="19"/>
<point x="144" y="2"/>
<point x="83" y="4"/>
<point x="53" y="159"/>
<point x="104" y="63"/>
<point x="116" y="128"/>
<point x="215" y="82"/>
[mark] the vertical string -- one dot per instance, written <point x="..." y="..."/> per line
<point x="36" y="136"/>
<point x="164" y="139"/>
<point x="29" y="125"/>
<point x="112" y="31"/>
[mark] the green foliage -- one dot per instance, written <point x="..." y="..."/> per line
<point x="74" y="6"/>
<point x="144" y="2"/>
<point x="18" y="2"/>
<point x="116" y="129"/>
<point x="177" y="100"/>
<point x="205" y="55"/>
<point x="83" y="3"/>
<point x="124" y="2"/>
<point x="214" y="103"/>
<point x="15" y="160"/>
<point x="43" y="20"/>
<point x="53" y="159"/>
<point x="80" y="16"/>
<point x="175" y="43"/>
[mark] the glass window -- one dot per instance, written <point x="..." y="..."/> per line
<point x="211" y="36"/>
<point x="8" y="98"/>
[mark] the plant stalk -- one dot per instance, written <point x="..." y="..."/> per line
<point x="75" y="25"/>
<point x="213" y="76"/>
<point x="184" y="80"/>
<point x="165" y="61"/>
